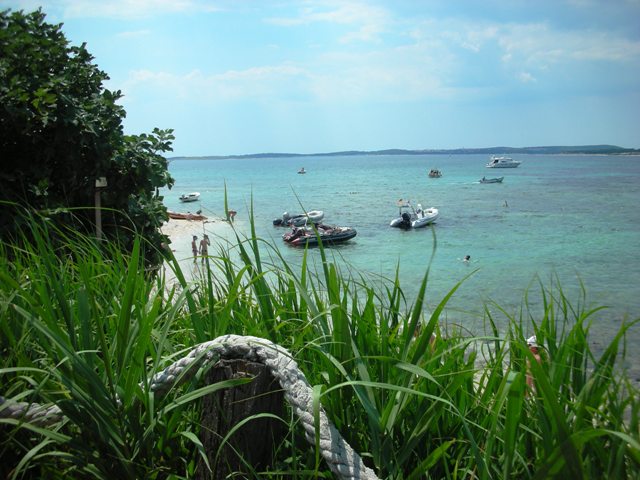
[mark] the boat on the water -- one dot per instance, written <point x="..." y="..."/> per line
<point x="190" y="197"/>
<point x="312" y="236"/>
<point x="425" y="216"/>
<point x="299" y="220"/>
<point x="491" y="180"/>
<point x="302" y="171"/>
<point x="435" y="173"/>
<point x="186" y="216"/>
<point x="502" y="162"/>
<point x="409" y="217"/>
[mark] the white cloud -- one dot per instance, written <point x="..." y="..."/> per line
<point x="537" y="45"/>
<point x="134" y="34"/>
<point x="526" y="77"/>
<point x="370" y="21"/>
<point x="254" y="83"/>
<point x="424" y="60"/>
<point x="338" y="78"/>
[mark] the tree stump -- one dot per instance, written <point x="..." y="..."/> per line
<point x="251" y="447"/>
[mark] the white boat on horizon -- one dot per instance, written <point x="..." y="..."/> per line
<point x="502" y="162"/>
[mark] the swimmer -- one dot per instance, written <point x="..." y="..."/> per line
<point x="467" y="258"/>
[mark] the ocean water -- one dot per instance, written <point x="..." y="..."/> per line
<point x="567" y="217"/>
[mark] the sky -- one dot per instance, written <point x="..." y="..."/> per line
<point x="315" y="76"/>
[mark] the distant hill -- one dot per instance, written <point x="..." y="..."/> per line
<point x="548" y="150"/>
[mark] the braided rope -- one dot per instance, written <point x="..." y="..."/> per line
<point x="341" y="458"/>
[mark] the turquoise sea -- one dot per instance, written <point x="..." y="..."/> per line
<point x="571" y="217"/>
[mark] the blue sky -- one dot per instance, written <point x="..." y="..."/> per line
<point x="249" y="76"/>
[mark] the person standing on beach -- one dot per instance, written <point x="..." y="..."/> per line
<point x="204" y="243"/>
<point x="194" y="248"/>
<point x="534" y="348"/>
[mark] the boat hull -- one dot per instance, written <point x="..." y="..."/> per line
<point x="300" y="220"/>
<point x="426" y="217"/>
<point x="418" y="219"/>
<point x="186" y="216"/>
<point x="310" y="238"/>
<point x="503" y="162"/>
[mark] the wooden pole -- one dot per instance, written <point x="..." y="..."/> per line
<point x="98" y="215"/>
<point x="252" y="446"/>
<point x="101" y="183"/>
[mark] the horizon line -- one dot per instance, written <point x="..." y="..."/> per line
<point x="551" y="149"/>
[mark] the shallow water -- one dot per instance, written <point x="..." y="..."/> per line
<point x="573" y="217"/>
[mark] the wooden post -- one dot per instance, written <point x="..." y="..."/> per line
<point x="254" y="443"/>
<point x="98" y="215"/>
<point x="101" y="184"/>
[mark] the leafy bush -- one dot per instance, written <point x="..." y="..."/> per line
<point x="60" y="131"/>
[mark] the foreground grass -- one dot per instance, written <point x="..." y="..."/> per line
<point x="85" y="328"/>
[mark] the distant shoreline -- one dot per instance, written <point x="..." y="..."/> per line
<point x="550" y="150"/>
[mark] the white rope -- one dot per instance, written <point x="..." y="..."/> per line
<point x="341" y="458"/>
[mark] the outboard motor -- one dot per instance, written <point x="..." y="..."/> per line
<point x="406" y="221"/>
<point x="282" y="221"/>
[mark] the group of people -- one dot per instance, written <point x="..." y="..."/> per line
<point x="202" y="249"/>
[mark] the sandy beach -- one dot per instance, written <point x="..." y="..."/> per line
<point x="180" y="232"/>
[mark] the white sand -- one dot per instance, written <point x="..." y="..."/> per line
<point x="180" y="232"/>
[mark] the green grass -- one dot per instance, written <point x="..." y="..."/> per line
<point x="85" y="328"/>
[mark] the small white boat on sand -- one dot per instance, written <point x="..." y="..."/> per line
<point x="502" y="162"/>
<point x="190" y="197"/>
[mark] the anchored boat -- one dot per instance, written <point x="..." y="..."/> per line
<point x="299" y="220"/>
<point x="190" y="197"/>
<point x="491" y="180"/>
<point x="502" y="162"/>
<point x="328" y="235"/>
<point x="409" y="217"/>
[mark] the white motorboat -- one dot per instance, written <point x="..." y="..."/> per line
<point x="413" y="218"/>
<point x="190" y="197"/>
<point x="502" y="162"/>
<point x="425" y="216"/>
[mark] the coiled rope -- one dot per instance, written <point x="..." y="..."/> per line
<point x="340" y="457"/>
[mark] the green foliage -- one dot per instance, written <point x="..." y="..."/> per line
<point x="60" y="130"/>
<point x="418" y="398"/>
